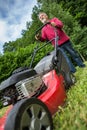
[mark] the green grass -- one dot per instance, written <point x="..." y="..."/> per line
<point x="2" y="111"/>
<point x="74" y="115"/>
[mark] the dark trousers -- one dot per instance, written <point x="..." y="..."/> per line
<point x="67" y="47"/>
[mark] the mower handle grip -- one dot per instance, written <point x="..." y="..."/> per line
<point x="41" y="27"/>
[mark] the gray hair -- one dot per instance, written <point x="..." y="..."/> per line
<point x="41" y="13"/>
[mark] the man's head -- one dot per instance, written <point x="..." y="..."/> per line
<point x="43" y="17"/>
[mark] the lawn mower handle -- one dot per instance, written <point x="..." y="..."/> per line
<point x="36" y="49"/>
<point x="56" y="34"/>
<point x="41" y="27"/>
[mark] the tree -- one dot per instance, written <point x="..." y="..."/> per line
<point x="77" y="8"/>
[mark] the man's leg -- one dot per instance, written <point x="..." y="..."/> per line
<point x="68" y="47"/>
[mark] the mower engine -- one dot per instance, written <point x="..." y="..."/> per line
<point x="9" y="96"/>
<point x="30" y="87"/>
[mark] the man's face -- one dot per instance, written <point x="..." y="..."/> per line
<point x="43" y="18"/>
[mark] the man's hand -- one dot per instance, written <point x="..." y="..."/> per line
<point x="53" y="24"/>
<point x="37" y="36"/>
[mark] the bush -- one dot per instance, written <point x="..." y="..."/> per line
<point x="13" y="60"/>
<point x="79" y="38"/>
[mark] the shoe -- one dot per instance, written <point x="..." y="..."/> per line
<point x="73" y="70"/>
<point x="82" y="66"/>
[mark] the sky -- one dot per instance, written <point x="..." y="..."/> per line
<point x="13" y="17"/>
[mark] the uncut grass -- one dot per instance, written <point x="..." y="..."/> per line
<point x="74" y="115"/>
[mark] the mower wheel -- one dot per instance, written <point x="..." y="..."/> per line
<point x="70" y="79"/>
<point x="29" y="114"/>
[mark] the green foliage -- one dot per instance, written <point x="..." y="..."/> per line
<point x="6" y="65"/>
<point x="76" y="8"/>
<point x="74" y="115"/>
<point x="79" y="38"/>
<point x="3" y="111"/>
<point x="22" y="57"/>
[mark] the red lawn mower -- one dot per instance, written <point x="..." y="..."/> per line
<point x="37" y="93"/>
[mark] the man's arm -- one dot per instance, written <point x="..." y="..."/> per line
<point x="40" y="37"/>
<point x="57" y="23"/>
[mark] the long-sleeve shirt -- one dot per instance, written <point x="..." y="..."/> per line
<point x="48" y="32"/>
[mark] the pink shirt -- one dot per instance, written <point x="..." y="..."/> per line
<point x="48" y="32"/>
